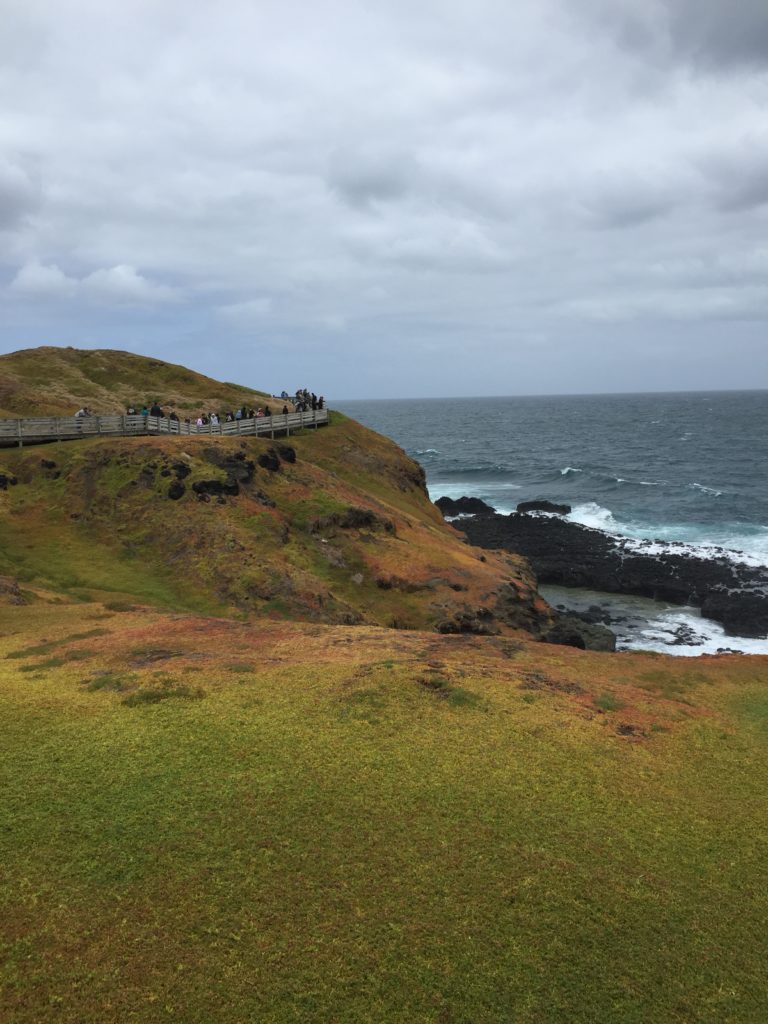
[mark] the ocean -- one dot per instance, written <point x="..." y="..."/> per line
<point x="689" y="467"/>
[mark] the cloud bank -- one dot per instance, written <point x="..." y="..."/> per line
<point x="393" y="199"/>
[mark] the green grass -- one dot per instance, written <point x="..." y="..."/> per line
<point x="609" y="702"/>
<point x="52" y="645"/>
<point x="166" y="691"/>
<point x="316" y="848"/>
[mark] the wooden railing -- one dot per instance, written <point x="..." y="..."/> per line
<point x="36" y="430"/>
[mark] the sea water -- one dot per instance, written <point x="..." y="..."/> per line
<point x="689" y="467"/>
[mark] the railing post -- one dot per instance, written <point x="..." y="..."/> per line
<point x="21" y="436"/>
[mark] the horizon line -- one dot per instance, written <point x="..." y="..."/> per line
<point x="556" y="394"/>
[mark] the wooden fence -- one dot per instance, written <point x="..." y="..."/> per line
<point x="37" y="430"/>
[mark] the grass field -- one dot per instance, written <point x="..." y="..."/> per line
<point x="205" y="820"/>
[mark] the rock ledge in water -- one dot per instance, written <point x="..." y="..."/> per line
<point x="571" y="555"/>
<point x="544" y="506"/>
<point x="464" y="507"/>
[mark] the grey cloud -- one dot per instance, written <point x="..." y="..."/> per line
<point x="739" y="175"/>
<point x="370" y="175"/>
<point x="630" y="202"/>
<point x="717" y="34"/>
<point x="19" y="193"/>
<point x="119" y="285"/>
<point x="708" y="34"/>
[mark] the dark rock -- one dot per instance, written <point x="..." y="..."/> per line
<point x="181" y="469"/>
<point x="238" y="468"/>
<point x="478" y="622"/>
<point x="269" y="460"/>
<point x="684" y="636"/>
<point x="593" y="614"/>
<point x="165" y="472"/>
<point x="286" y="453"/>
<point x="7" y="481"/>
<point x="176" y="490"/>
<point x="544" y="506"/>
<point x="10" y="591"/>
<point x="407" y="586"/>
<point x="742" y="612"/>
<point x="216" y="487"/>
<point x="464" y="506"/>
<point x="573" y="632"/>
<point x="353" y="518"/>
<point x="571" y="555"/>
<point x="47" y="463"/>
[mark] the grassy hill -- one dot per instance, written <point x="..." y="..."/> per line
<point x="50" y="381"/>
<point x="244" y="776"/>
<point x="336" y="527"/>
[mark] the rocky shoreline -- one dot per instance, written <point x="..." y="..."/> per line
<point x="568" y="554"/>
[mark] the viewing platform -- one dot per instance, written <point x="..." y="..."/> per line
<point x="41" y="430"/>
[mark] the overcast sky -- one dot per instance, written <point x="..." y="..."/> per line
<point x="395" y="198"/>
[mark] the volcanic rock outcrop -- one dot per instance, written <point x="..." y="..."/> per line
<point x="571" y="555"/>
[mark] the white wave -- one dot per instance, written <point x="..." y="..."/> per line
<point x="570" y="469"/>
<point x="709" y="637"/>
<point x="427" y="451"/>
<point x="594" y="516"/>
<point x="650" y="483"/>
<point x="748" y="549"/>
<point x="706" y="490"/>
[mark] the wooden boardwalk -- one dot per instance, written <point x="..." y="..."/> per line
<point x="41" y="430"/>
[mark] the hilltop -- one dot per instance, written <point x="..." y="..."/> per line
<point x="280" y="745"/>
<point x="49" y="381"/>
<point x="334" y="525"/>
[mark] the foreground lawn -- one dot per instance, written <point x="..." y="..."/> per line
<point x="206" y="821"/>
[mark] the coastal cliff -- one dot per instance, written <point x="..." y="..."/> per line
<point x="333" y="525"/>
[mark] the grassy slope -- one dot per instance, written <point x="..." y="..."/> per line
<point x="286" y="822"/>
<point x="52" y="381"/>
<point x="102" y="521"/>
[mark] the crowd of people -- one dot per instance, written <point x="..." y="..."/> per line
<point x="303" y="401"/>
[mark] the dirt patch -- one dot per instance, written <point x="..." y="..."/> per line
<point x="538" y="681"/>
